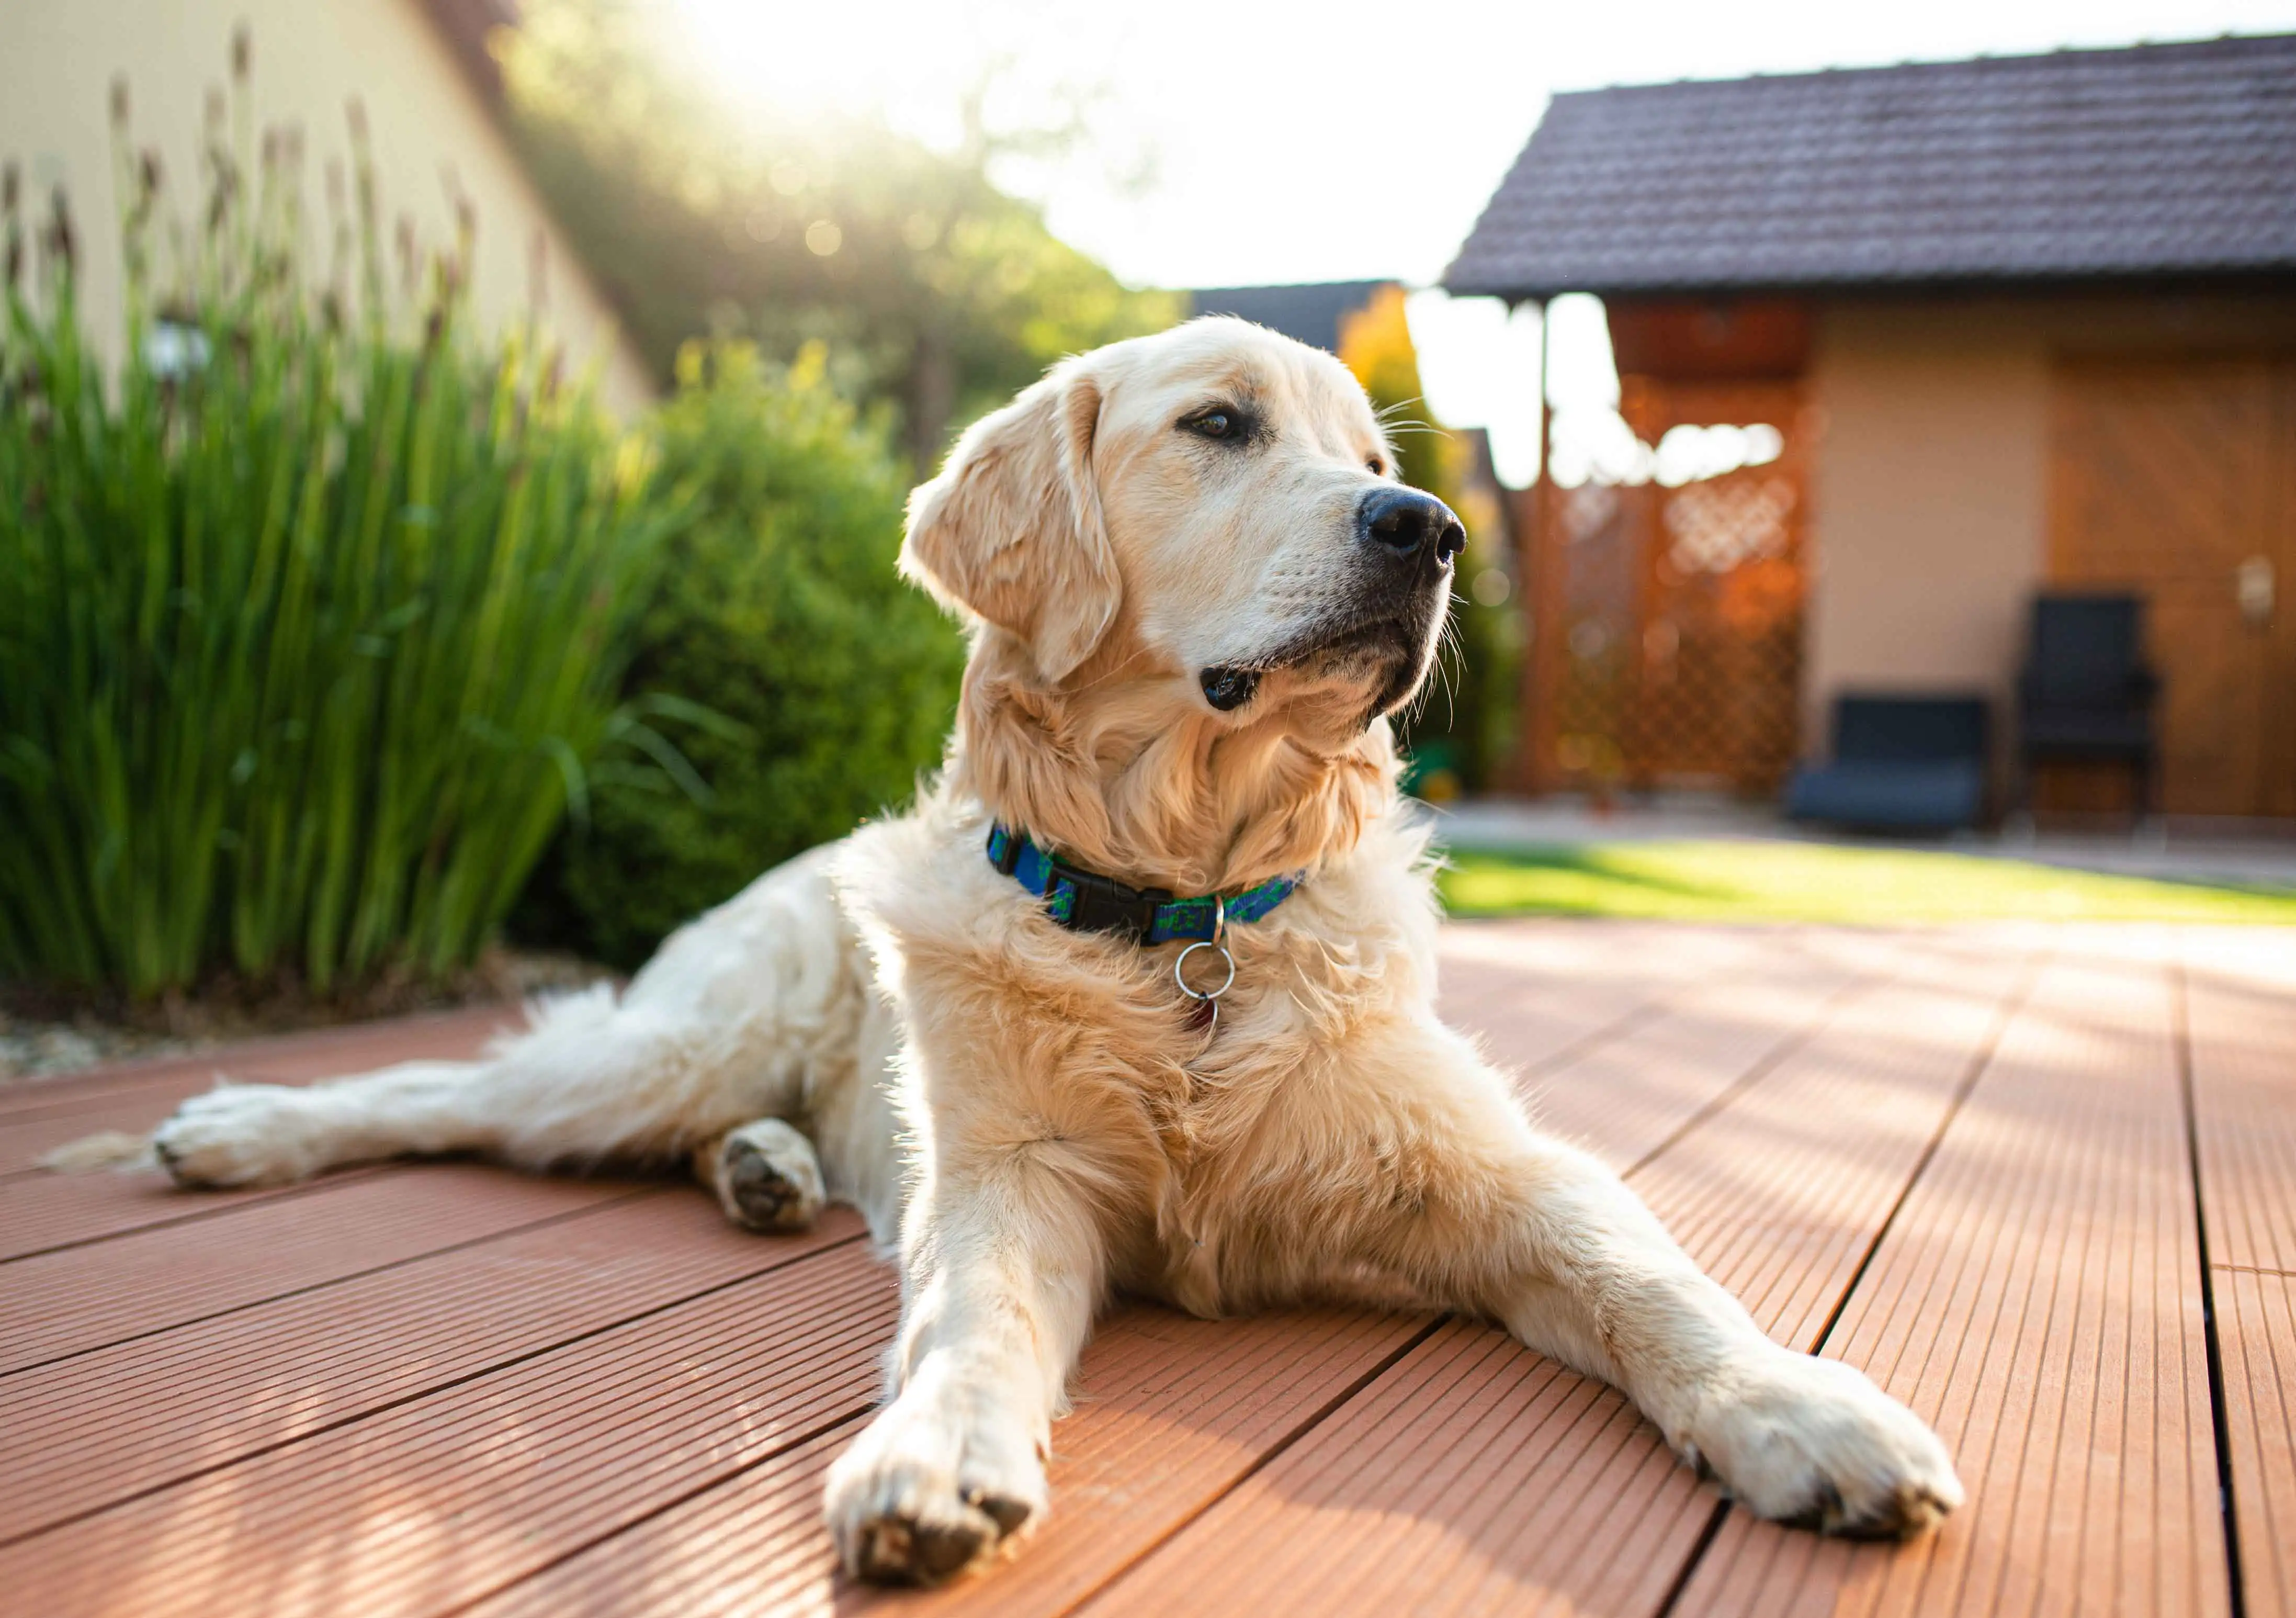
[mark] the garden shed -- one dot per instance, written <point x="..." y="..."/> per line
<point x="2024" y="324"/>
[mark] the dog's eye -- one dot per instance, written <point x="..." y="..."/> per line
<point x="1378" y="467"/>
<point x="1214" y="425"/>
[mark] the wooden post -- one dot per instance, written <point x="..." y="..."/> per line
<point x="1532" y="744"/>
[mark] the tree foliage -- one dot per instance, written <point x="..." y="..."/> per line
<point x="936" y="293"/>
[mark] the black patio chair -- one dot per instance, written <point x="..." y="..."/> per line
<point x="1900" y="764"/>
<point x="2086" y="695"/>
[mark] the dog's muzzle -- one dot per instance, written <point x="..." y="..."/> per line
<point x="1406" y="543"/>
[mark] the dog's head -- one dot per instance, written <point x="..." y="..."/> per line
<point x="1212" y="512"/>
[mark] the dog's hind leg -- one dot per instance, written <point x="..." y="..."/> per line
<point x="765" y="1175"/>
<point x="275" y="1134"/>
<point x="589" y="1082"/>
<point x="747" y="1014"/>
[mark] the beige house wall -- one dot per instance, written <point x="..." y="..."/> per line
<point x="1930" y="491"/>
<point x="58" y="59"/>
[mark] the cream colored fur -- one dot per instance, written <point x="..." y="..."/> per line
<point x="1031" y="1113"/>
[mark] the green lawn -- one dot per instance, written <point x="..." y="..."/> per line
<point x="1730" y="881"/>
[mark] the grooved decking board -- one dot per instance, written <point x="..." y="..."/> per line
<point x="2241" y="1015"/>
<point x="1539" y="988"/>
<point x="1623" y="1099"/>
<point x="84" y="1298"/>
<point x="1172" y="1411"/>
<point x="1478" y="1476"/>
<point x="1439" y="1488"/>
<point x="1780" y="1194"/>
<point x="98" y="1427"/>
<point x="2241" y="1018"/>
<point x="40" y="1100"/>
<point x="29" y="1100"/>
<point x="753" y="1546"/>
<point x="2038" y="1300"/>
<point x="443" y="1435"/>
<point x="2256" y="1325"/>
<point x="1169" y="1410"/>
<point x="435" y="1504"/>
<point x="41" y="1211"/>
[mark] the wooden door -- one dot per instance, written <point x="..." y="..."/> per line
<point x="2177" y="478"/>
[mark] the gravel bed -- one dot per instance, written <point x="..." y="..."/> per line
<point x="41" y="1037"/>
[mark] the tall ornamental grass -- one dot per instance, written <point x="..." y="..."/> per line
<point x="313" y="610"/>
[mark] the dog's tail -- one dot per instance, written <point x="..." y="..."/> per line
<point x="110" y="1149"/>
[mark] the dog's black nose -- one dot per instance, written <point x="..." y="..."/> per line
<point x="1410" y="526"/>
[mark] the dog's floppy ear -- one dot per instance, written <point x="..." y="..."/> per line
<point x="1011" y="531"/>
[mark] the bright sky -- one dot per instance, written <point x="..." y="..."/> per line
<point x="1293" y="140"/>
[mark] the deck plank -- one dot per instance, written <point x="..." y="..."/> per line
<point x="40" y="1212"/>
<point x="1168" y="1410"/>
<point x="2038" y="1299"/>
<point x="269" y="1374"/>
<point x="1623" y="1100"/>
<point x="753" y="1546"/>
<point x="541" y="1397"/>
<point x="2256" y="1321"/>
<point x="2241" y="1011"/>
<point x="24" y="1144"/>
<point x="1475" y="1477"/>
<point x="432" y="1505"/>
<point x="1542" y="992"/>
<point x="1489" y="1478"/>
<point x="67" y="1302"/>
<point x="2241" y="1015"/>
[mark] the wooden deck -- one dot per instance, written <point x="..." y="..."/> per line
<point x="2039" y="1182"/>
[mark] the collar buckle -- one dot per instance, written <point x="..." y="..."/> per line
<point x="1105" y="905"/>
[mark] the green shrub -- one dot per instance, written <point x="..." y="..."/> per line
<point x="312" y="619"/>
<point x="778" y="608"/>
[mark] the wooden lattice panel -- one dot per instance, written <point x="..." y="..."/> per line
<point x="1667" y="633"/>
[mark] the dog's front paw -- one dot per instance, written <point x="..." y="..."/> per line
<point x="932" y="1487"/>
<point x="1811" y="1442"/>
<point x="242" y="1134"/>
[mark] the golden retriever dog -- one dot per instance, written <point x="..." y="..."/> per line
<point x="1138" y="997"/>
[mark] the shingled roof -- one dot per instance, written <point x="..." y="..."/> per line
<point x="1313" y="312"/>
<point x="2166" y="160"/>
